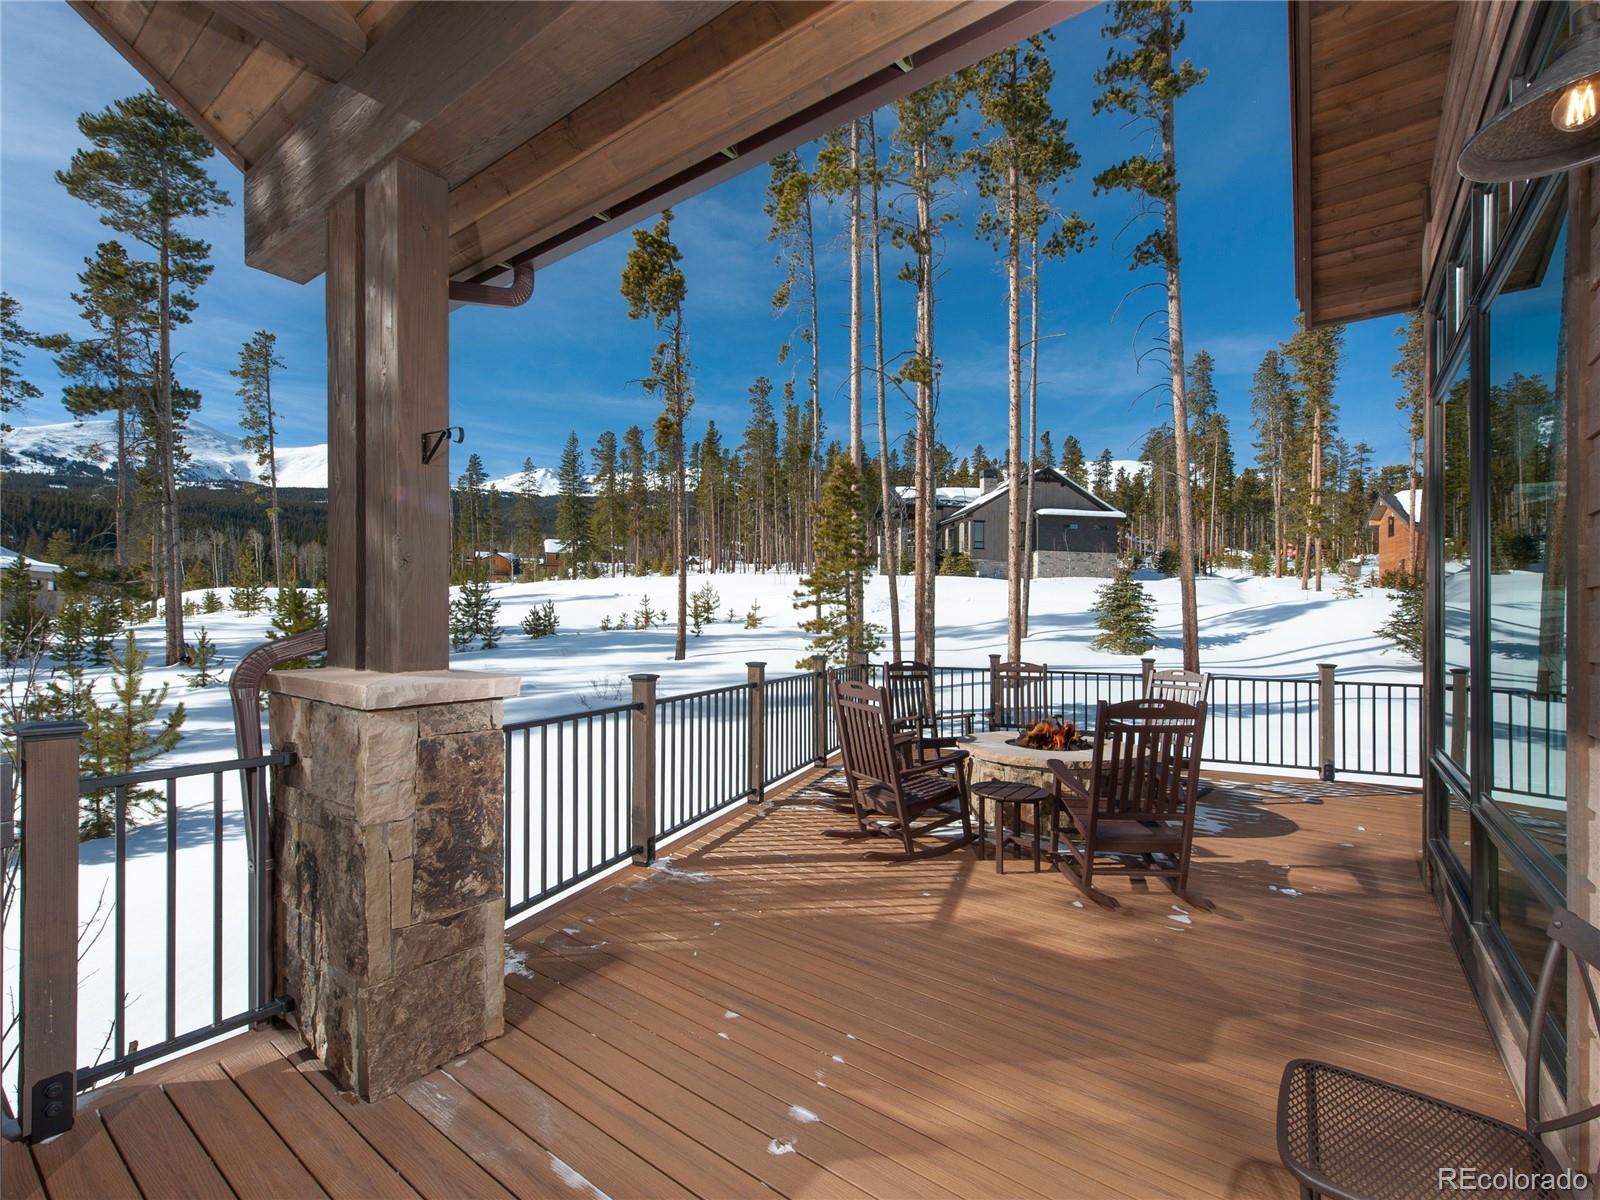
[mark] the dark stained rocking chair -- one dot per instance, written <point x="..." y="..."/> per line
<point x="1138" y="801"/>
<point x="1352" y="1137"/>
<point x="893" y="795"/>
<point x="917" y="721"/>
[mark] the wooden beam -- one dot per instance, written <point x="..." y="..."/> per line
<point x="388" y="384"/>
<point x="453" y="87"/>
<point x="322" y="35"/>
<point x="675" y="142"/>
<point x="103" y="26"/>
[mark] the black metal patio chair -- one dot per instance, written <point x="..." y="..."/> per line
<point x="1349" y="1136"/>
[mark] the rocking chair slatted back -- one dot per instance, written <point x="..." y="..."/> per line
<point x="910" y="688"/>
<point x="1147" y="759"/>
<point x="866" y="736"/>
<point x="1021" y="694"/>
<point x="1186" y="687"/>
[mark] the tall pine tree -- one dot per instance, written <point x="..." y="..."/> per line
<point x="258" y="359"/>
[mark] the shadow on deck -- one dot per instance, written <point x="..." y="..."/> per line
<point x="763" y="1009"/>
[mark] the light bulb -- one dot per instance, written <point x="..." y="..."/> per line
<point x="1575" y="109"/>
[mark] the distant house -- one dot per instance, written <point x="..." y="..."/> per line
<point x="46" y="575"/>
<point x="1392" y="517"/>
<point x="500" y="564"/>
<point x="946" y="501"/>
<point x="1075" y="532"/>
<point x="554" y="551"/>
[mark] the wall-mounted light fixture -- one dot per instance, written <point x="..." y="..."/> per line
<point x="1555" y="124"/>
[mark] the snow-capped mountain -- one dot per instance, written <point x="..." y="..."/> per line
<point x="545" y="481"/>
<point x="88" y="449"/>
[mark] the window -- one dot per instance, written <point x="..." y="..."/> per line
<point x="1454" y="493"/>
<point x="1391" y="526"/>
<point x="977" y="535"/>
<point x="1527" y="499"/>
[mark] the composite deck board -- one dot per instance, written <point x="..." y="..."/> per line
<point x="767" y="1013"/>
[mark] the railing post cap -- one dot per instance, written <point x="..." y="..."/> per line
<point x="44" y="731"/>
<point x="1326" y="666"/>
<point x="644" y="678"/>
<point x="756" y="664"/>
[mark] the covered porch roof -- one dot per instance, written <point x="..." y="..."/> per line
<point x="1368" y="84"/>
<point x="550" y="122"/>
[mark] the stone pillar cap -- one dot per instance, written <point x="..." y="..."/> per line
<point x="371" y="691"/>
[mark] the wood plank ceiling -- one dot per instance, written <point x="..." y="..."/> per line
<point x="1368" y="80"/>
<point x="548" y="120"/>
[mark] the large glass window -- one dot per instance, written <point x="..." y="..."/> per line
<point x="1455" y="492"/>
<point x="1526" y="421"/>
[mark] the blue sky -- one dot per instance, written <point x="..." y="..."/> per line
<point x="570" y="360"/>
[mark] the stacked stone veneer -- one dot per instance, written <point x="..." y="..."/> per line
<point x="390" y="908"/>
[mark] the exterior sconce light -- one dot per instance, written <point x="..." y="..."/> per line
<point x="1555" y="124"/>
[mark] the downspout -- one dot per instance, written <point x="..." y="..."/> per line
<point x="514" y="295"/>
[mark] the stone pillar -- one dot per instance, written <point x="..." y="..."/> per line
<point x="390" y="905"/>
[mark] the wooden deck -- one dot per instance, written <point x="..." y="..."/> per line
<point x="765" y="1010"/>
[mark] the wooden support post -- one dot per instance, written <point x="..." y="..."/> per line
<point x="819" y="705"/>
<point x="1147" y="667"/>
<point x="994" y="691"/>
<point x="47" y="1093"/>
<point x="642" y="811"/>
<point x="756" y="674"/>
<point x="388" y="384"/>
<point x="1325" y="719"/>
<point x="1459" y="677"/>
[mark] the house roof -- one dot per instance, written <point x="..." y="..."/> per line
<point x="1399" y="503"/>
<point x="1367" y="85"/>
<point x="551" y="124"/>
<point x="554" y="546"/>
<point x="942" y="496"/>
<point x="7" y="557"/>
<point x="1000" y="488"/>
<point x="1081" y="512"/>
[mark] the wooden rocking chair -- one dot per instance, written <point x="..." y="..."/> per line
<point x="894" y="796"/>
<point x="917" y="722"/>
<point x="1020" y="695"/>
<point x="1138" y="802"/>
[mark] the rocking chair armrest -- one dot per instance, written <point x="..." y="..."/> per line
<point x="1067" y="778"/>
<point x="955" y="758"/>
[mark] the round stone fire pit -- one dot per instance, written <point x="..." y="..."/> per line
<point x="995" y="758"/>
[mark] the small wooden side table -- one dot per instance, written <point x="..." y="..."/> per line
<point x="1000" y="794"/>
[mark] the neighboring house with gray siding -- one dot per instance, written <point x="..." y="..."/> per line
<point x="1075" y="532"/>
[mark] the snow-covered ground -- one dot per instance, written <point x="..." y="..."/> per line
<point x="1248" y="626"/>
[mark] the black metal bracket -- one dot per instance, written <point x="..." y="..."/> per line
<point x="51" y="1106"/>
<point x="435" y="438"/>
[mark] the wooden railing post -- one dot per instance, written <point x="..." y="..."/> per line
<point x="1147" y="666"/>
<point x="819" y="705"/>
<point x="994" y="691"/>
<point x="1325" y="716"/>
<point x="48" y="754"/>
<point x="756" y="674"/>
<point x="1458" y="713"/>
<point x="642" y="812"/>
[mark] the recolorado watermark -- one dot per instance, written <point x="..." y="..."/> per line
<point x="1505" y="1181"/>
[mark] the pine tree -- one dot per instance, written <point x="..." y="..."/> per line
<point x="202" y="657"/>
<point x="23" y="625"/>
<point x="1125" y="614"/>
<point x="109" y="371"/>
<point x="1405" y="624"/>
<point x="1145" y="80"/>
<point x="70" y="646"/>
<point x="529" y="539"/>
<point x="144" y="169"/>
<point x="475" y="614"/>
<point x="472" y="515"/>
<point x="125" y="733"/>
<point x="840" y="550"/>
<point x="606" y="517"/>
<point x="571" y="527"/>
<point x="1072" y="463"/>
<point x="105" y="622"/>
<point x="703" y="606"/>
<point x="210" y="602"/>
<point x="654" y="287"/>
<point x="1314" y="356"/>
<point x="789" y="196"/>
<point x="1275" y="416"/>
<point x="295" y="612"/>
<point x="248" y="596"/>
<point x="15" y="390"/>
<point x="760" y="451"/>
<point x="541" y="620"/>
<point x="1411" y="370"/>
<point x="636" y="467"/>
<point x="258" y="359"/>
<point x="1102" y="472"/>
